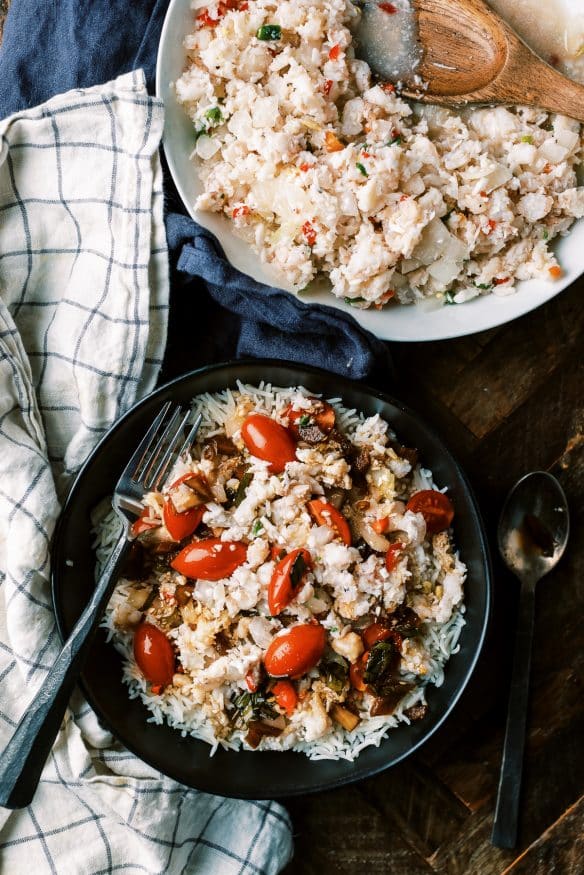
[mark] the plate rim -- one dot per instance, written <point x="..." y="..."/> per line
<point x="355" y="774"/>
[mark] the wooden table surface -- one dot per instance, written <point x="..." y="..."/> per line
<point x="506" y="401"/>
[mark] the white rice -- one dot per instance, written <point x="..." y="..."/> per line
<point x="438" y="640"/>
<point x="415" y="202"/>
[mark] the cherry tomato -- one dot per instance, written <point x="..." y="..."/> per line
<point x="287" y="579"/>
<point x="181" y="525"/>
<point x="296" y="651"/>
<point x="393" y="555"/>
<point x="381" y="525"/>
<point x="326" y="515"/>
<point x="211" y="559"/>
<point x="154" y="654"/>
<point x="144" y="523"/>
<point x="286" y="696"/>
<point x="357" y="671"/>
<point x="267" y="439"/>
<point x="320" y="413"/>
<point x="435" y="507"/>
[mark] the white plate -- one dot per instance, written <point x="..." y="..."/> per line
<point x="407" y="323"/>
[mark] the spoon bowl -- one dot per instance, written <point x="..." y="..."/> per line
<point x="534" y="526"/>
<point x="465" y="53"/>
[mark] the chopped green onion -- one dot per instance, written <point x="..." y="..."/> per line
<point x="257" y="527"/>
<point x="214" y="114"/>
<point x="353" y="300"/>
<point x="304" y="421"/>
<point x="527" y="138"/>
<point x="395" y="141"/>
<point x="269" y="32"/>
<point x="485" y="286"/>
<point x="242" y="488"/>
<point x="545" y="234"/>
<point x="360" y="167"/>
<point x="449" y="298"/>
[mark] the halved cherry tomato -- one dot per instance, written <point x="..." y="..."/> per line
<point x="286" y="696"/>
<point x="252" y="680"/>
<point x="267" y="439"/>
<point x="210" y="559"/>
<point x="320" y="413"/>
<point x="357" y="671"/>
<point x="326" y="515"/>
<point x="296" y="651"/>
<point x="154" y="654"/>
<point x="393" y="555"/>
<point x="435" y="507"/>
<point x="381" y="525"/>
<point x="144" y="523"/>
<point x="379" y="632"/>
<point x="181" y="525"/>
<point x="287" y="579"/>
<point x="374" y="633"/>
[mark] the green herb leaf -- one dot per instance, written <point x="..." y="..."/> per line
<point x="269" y="32"/>
<point x="485" y="286"/>
<point x="297" y="570"/>
<point x="214" y="115"/>
<point x="382" y="662"/>
<point x="304" y="420"/>
<point x="395" y="141"/>
<point x="242" y="488"/>
<point x="252" y="706"/>
<point x="360" y="167"/>
<point x="546" y="234"/>
<point x="353" y="300"/>
<point x="257" y="527"/>
<point x="335" y="672"/>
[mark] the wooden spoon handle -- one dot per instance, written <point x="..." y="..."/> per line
<point x="508" y="796"/>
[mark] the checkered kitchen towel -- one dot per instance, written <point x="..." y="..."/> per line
<point x="83" y="313"/>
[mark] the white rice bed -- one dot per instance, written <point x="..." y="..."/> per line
<point x="174" y="707"/>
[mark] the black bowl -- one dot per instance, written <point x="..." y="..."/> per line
<point x="249" y="774"/>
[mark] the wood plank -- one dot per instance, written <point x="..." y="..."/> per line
<point x="341" y="832"/>
<point x="559" y="849"/>
<point x="509" y="369"/>
<point x="421" y="806"/>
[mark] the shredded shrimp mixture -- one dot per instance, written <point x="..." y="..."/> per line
<point x="325" y="172"/>
<point x="294" y="584"/>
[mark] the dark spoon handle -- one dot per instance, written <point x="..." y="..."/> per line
<point x="22" y="762"/>
<point x="507" y="811"/>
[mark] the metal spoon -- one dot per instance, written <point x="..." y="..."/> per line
<point x="465" y="53"/>
<point x="532" y="536"/>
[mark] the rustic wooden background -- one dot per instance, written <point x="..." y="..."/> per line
<point x="507" y="401"/>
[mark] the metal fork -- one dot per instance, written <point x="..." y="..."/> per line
<point x="22" y="762"/>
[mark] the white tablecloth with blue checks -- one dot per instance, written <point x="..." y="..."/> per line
<point x="83" y="317"/>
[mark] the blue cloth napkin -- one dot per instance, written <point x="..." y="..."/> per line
<point x="49" y="48"/>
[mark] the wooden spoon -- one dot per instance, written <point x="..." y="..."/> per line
<point x="470" y="55"/>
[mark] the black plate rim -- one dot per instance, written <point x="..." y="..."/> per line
<point x="358" y="386"/>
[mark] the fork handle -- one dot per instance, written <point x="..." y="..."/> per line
<point x="507" y="812"/>
<point x="23" y="760"/>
